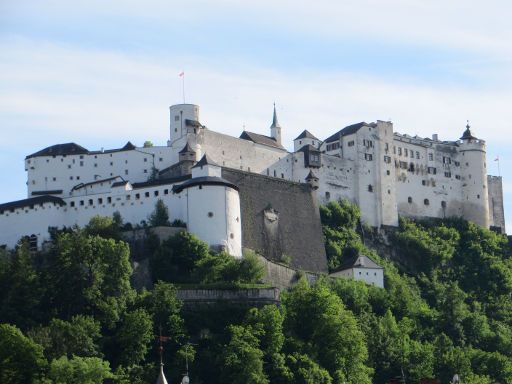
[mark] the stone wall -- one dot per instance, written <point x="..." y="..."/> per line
<point x="249" y="297"/>
<point x="282" y="276"/>
<point x="280" y="220"/>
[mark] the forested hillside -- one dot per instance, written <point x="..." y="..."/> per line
<point x="71" y="315"/>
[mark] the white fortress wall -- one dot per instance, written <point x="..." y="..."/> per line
<point x="63" y="172"/>
<point x="428" y="183"/>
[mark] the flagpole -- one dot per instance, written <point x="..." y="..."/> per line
<point x="499" y="170"/>
<point x="183" y="86"/>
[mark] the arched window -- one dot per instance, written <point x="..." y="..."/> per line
<point x="409" y="200"/>
<point x="443" y="204"/>
<point x="426" y="202"/>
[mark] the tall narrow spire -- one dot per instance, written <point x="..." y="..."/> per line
<point x="275" y="128"/>
<point x="275" y="123"/>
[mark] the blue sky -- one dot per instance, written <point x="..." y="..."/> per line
<point x="102" y="73"/>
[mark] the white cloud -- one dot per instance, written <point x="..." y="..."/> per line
<point x="84" y="93"/>
<point x="456" y="24"/>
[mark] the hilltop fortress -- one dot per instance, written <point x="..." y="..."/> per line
<point x="230" y="190"/>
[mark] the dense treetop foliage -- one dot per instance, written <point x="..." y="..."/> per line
<point x="69" y="314"/>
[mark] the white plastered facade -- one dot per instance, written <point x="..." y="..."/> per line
<point x="385" y="173"/>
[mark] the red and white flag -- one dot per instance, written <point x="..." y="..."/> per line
<point x="182" y="73"/>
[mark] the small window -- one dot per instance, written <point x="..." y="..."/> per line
<point x="176" y="118"/>
<point x="409" y="200"/>
<point x="210" y="214"/>
<point x="69" y="166"/>
<point x="91" y="202"/>
<point x="146" y="194"/>
<point x="81" y="163"/>
<point x="100" y="201"/>
<point x="128" y="197"/>
<point x="327" y="195"/>
<point x="370" y="188"/>
<point x="388" y="172"/>
<point x="426" y="202"/>
<point x="431" y="157"/>
<point x="443" y="204"/>
<point x="72" y="204"/>
<point x="156" y="193"/>
<point x="81" y="202"/>
<point x="137" y="196"/>
<point x="166" y="191"/>
<point x="145" y="159"/>
<point x="145" y="171"/>
<point x="109" y="200"/>
<point x="417" y="155"/>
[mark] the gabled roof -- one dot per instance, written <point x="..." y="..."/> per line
<point x="83" y="185"/>
<point x="306" y="135"/>
<point x="260" y="139"/>
<point x="206" y="160"/>
<point x="60" y="149"/>
<point x="308" y="148"/>
<point x="360" y="261"/>
<point x="204" y="180"/>
<point x="187" y="148"/>
<point x="347" y="131"/>
<point x="32" y="201"/>
<point x="169" y="180"/>
<point x="75" y="149"/>
<point x="119" y="184"/>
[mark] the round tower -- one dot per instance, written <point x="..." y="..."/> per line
<point x="475" y="200"/>
<point x="184" y="118"/>
<point x="213" y="207"/>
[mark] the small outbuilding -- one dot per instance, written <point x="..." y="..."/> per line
<point x="361" y="268"/>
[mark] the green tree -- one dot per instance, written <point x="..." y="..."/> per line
<point x="175" y="259"/>
<point x="317" y="316"/>
<point x="80" y="336"/>
<point x="83" y="370"/>
<point x="89" y="275"/>
<point x="104" y="226"/>
<point x="306" y="371"/>
<point x="134" y="337"/>
<point x="269" y="323"/>
<point x="242" y="358"/>
<point x="160" y="215"/>
<point x="22" y="289"/>
<point x="21" y="359"/>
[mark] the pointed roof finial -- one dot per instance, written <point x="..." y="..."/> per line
<point x="467" y="135"/>
<point x="275" y="123"/>
<point x="161" y="339"/>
